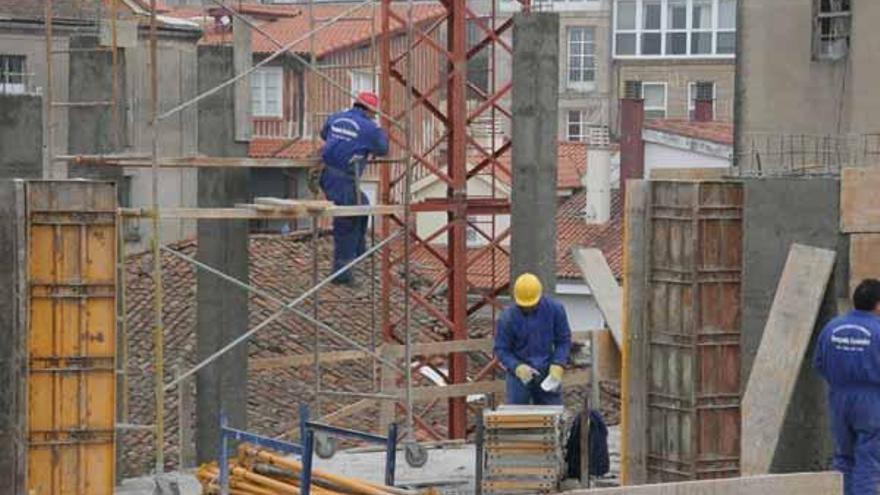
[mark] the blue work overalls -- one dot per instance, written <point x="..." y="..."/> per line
<point x="349" y="136"/>
<point x="848" y="357"/>
<point x="538" y="338"/>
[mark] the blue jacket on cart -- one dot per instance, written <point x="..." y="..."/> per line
<point x="848" y="357"/>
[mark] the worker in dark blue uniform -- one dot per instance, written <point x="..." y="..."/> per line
<point x="848" y="357"/>
<point x="533" y="342"/>
<point x="350" y="137"/>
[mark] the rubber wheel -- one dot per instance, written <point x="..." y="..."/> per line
<point x="325" y="446"/>
<point x="416" y="455"/>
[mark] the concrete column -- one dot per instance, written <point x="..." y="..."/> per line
<point x="809" y="215"/>
<point x="535" y="108"/>
<point x="222" y="312"/>
<point x="21" y="137"/>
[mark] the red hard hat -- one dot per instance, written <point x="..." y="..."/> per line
<point x="369" y="100"/>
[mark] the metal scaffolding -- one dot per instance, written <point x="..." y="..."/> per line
<point x="453" y="157"/>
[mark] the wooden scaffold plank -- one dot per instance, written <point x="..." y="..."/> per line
<point x="607" y="292"/>
<point x="859" y="201"/>
<point x="778" y="361"/>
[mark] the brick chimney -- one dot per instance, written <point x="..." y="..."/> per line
<point x="704" y="101"/>
<point x="632" y="147"/>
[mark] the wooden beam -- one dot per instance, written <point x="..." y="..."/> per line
<point x="250" y="213"/>
<point x="260" y="364"/>
<point x="608" y="294"/>
<point x="691" y="174"/>
<point x="777" y="364"/>
<point x="859" y="201"/>
<point x="634" y="352"/>
<point x="191" y="161"/>
<point x="863" y="262"/>
<point x="346" y="411"/>
<point x="827" y="483"/>
<point x="572" y="379"/>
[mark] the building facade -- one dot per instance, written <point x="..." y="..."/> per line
<point x="670" y="45"/>
<point x="810" y="102"/>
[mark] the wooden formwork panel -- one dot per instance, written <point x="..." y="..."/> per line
<point x="71" y="337"/>
<point x="693" y="327"/>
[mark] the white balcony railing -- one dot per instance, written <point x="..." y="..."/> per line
<point x="275" y="128"/>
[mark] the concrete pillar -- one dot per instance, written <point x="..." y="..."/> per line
<point x="21" y="137"/>
<point x="94" y="130"/>
<point x="809" y="215"/>
<point x="535" y="147"/>
<point x="222" y="311"/>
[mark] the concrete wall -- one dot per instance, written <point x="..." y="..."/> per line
<point x="664" y="156"/>
<point x="21" y="136"/>
<point x="13" y="327"/>
<point x="535" y="149"/>
<point x="809" y="215"/>
<point x="222" y="312"/>
<point x="178" y="135"/>
<point x="784" y="91"/>
<point x="677" y="74"/>
<point x="29" y="41"/>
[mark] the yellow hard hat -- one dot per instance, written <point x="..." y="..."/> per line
<point x="527" y="290"/>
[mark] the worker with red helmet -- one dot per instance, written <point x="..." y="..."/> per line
<point x="350" y="136"/>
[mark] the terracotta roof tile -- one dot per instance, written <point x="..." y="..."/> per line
<point x="342" y="33"/>
<point x="283" y="148"/>
<point x="715" y="131"/>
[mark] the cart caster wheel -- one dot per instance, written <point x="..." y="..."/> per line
<point x="416" y="455"/>
<point x="325" y="446"/>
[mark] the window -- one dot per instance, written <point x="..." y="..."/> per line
<point x="674" y="28"/>
<point x="654" y="94"/>
<point x="12" y="74"/>
<point x="581" y="55"/>
<point x="692" y="98"/>
<point x="363" y="80"/>
<point x="581" y="127"/>
<point x="831" y="29"/>
<point x="266" y="92"/>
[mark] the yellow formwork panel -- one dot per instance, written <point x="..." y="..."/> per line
<point x="71" y="338"/>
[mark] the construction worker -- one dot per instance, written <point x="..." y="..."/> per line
<point x="848" y="357"/>
<point x="533" y="342"/>
<point x="350" y="137"/>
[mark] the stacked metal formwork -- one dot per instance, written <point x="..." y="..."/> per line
<point x="523" y="449"/>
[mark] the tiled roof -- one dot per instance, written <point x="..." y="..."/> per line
<point x="715" y="131"/>
<point x="571" y="164"/>
<point x="352" y="29"/>
<point x="280" y="265"/>
<point x="283" y="148"/>
<point x="572" y="231"/>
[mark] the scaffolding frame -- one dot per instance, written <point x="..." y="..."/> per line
<point x="396" y="208"/>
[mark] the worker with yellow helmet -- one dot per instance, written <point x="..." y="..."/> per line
<point x="533" y="342"/>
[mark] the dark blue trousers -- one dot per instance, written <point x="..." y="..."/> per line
<point x="520" y="394"/>
<point x="349" y="233"/>
<point x="855" y="424"/>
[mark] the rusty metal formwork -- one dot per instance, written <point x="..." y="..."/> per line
<point x="693" y="326"/>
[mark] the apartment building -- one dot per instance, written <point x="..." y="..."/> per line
<point x="810" y="103"/>
<point x="670" y="45"/>
<point x="585" y="92"/>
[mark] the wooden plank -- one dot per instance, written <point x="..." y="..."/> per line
<point x="607" y="292"/>
<point x="690" y="174"/>
<point x="607" y="356"/>
<point x="783" y="345"/>
<point x="827" y="483"/>
<point x="859" y="201"/>
<point x="634" y="352"/>
<point x="575" y="378"/>
<point x="253" y="213"/>
<point x="260" y="364"/>
<point x="863" y="258"/>
<point x="191" y="161"/>
<point x="349" y="410"/>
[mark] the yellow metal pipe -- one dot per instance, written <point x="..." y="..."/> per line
<point x="353" y="485"/>
<point x="279" y="486"/>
